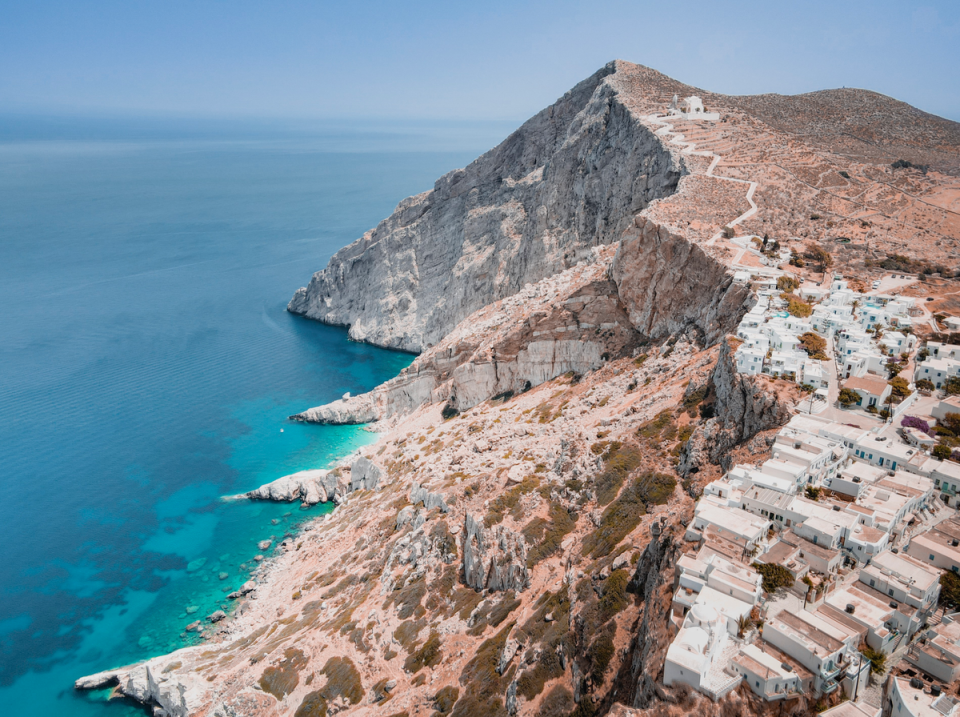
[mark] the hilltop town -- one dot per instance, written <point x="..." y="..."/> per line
<point x="682" y="435"/>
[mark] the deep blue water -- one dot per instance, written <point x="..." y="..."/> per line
<point x="147" y="367"/>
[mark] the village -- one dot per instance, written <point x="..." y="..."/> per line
<point x="818" y="572"/>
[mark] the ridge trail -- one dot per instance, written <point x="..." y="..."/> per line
<point x="688" y="148"/>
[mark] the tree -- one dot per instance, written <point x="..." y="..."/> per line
<point x="848" y="397"/>
<point x="951" y="386"/>
<point x="795" y="307"/>
<point x="949" y="590"/>
<point x="893" y="367"/>
<point x="899" y="387"/>
<point x="941" y="451"/>
<point x="818" y="255"/>
<point x="787" y="283"/>
<point x="814" y="344"/>
<point x="877" y="660"/>
<point x="774" y="576"/>
<point x="924" y="384"/>
<point x="951" y="422"/>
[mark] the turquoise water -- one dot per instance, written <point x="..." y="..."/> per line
<point x="147" y="368"/>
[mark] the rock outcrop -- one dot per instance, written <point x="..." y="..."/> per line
<point x="745" y="406"/>
<point x="570" y="178"/>
<point x="493" y="558"/>
<point x="310" y="487"/>
<point x="572" y="322"/>
<point x="319" y="486"/>
<point x="364" y="474"/>
<point x="667" y="283"/>
<point x="149" y="683"/>
<point x="419" y="494"/>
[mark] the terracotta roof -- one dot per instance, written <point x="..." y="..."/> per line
<point x="876" y="386"/>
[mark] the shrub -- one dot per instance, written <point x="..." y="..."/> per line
<point x="818" y="255"/>
<point x="848" y="397"/>
<point x="949" y="590"/>
<point x="558" y="702"/>
<point x="661" y="426"/>
<point x="281" y="679"/>
<point x="877" y="660"/>
<point x="800" y="309"/>
<point x="774" y="576"/>
<point x="449" y="411"/>
<point x="618" y="464"/>
<point x="941" y="451"/>
<point x="600" y="653"/>
<point x="445" y="699"/>
<point x="814" y="344"/>
<point x="844" y="174"/>
<point x="613" y="597"/>
<point x="924" y="384"/>
<point x="483" y="686"/>
<point x="624" y="514"/>
<point x="548" y="535"/>
<point x="813" y="493"/>
<point x="787" y="283"/>
<point x="694" y="399"/>
<point x="428" y="655"/>
<point x="951" y="386"/>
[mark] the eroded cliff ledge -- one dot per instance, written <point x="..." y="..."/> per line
<point x="571" y="178"/>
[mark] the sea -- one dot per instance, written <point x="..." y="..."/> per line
<point x="148" y="366"/>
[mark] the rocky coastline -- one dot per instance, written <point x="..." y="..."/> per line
<point x="505" y="547"/>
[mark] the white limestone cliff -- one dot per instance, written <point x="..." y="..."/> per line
<point x="571" y="178"/>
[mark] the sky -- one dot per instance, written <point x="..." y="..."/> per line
<point x="452" y="60"/>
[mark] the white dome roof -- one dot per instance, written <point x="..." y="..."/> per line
<point x="694" y="639"/>
<point x="705" y="614"/>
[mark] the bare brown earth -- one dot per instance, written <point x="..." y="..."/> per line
<point x="594" y="475"/>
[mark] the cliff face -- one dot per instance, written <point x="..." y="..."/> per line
<point x="745" y="406"/>
<point x="667" y="283"/>
<point x="570" y="178"/>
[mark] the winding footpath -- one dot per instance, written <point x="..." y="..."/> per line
<point x="688" y="148"/>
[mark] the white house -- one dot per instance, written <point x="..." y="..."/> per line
<point x="813" y="648"/>
<point x="872" y="391"/>
<point x="766" y="675"/>
<point x="699" y="654"/>
<point x="914" y="700"/>
<point x="904" y="579"/>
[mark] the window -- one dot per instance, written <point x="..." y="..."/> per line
<point x="890" y="592"/>
<point x="872" y="582"/>
<point x="931" y="556"/>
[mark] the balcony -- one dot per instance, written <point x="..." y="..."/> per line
<point x="830" y="687"/>
<point x="831" y="674"/>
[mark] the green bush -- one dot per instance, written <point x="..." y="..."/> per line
<point x="445" y="699"/>
<point x="949" y="590"/>
<point x="613" y="597"/>
<point x="618" y="464"/>
<point x="877" y="660"/>
<point x="848" y="397"/>
<point x="787" y="283"/>
<point x="428" y="655"/>
<point x="483" y="686"/>
<point x="624" y="514"/>
<point x="774" y="576"/>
